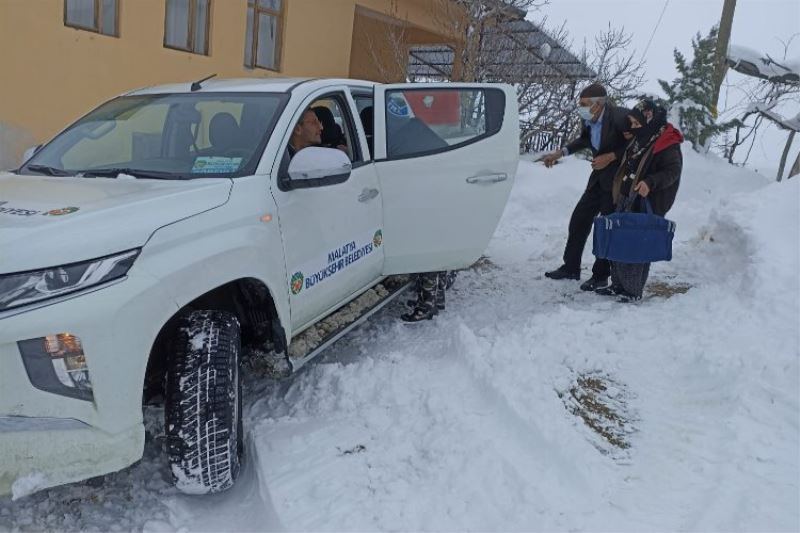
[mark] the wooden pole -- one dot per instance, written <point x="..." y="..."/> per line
<point x="785" y="154"/>
<point x="795" y="170"/>
<point x="723" y="38"/>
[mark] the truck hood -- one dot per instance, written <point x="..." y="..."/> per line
<point x="50" y="221"/>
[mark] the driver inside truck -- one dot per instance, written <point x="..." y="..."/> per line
<point x="307" y="132"/>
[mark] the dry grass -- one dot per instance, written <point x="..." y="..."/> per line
<point x="602" y="404"/>
<point x="483" y="264"/>
<point x="663" y="289"/>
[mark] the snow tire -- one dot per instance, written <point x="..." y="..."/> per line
<point x="203" y="407"/>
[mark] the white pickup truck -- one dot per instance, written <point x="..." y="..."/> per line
<point x="153" y="243"/>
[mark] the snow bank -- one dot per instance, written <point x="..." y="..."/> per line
<point x="461" y="425"/>
<point x="26" y="485"/>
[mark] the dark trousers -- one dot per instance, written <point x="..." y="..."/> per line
<point x="430" y="290"/>
<point x="630" y="276"/>
<point x="594" y="201"/>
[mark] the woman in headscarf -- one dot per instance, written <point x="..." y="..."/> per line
<point x="651" y="168"/>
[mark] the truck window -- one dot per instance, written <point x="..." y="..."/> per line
<point x="426" y="121"/>
<point x="177" y="135"/>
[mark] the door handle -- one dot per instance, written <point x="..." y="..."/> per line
<point x="485" y="179"/>
<point x="368" y="194"/>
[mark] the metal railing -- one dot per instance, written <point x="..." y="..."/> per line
<point x="541" y="141"/>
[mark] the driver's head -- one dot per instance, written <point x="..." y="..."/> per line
<point x="308" y="131"/>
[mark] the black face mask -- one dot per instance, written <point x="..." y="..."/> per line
<point x="649" y="128"/>
<point x="643" y="134"/>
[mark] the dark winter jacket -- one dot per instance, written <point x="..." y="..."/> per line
<point x="615" y="121"/>
<point x="660" y="167"/>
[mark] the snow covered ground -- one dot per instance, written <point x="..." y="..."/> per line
<point x="466" y="423"/>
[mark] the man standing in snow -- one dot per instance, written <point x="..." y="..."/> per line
<point x="430" y="295"/>
<point x="602" y="133"/>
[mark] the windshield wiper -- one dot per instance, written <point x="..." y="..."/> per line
<point x="136" y="173"/>
<point x="50" y="171"/>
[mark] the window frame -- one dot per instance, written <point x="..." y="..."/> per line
<point x="479" y="138"/>
<point x="351" y="134"/>
<point x="279" y="16"/>
<point x="361" y="93"/>
<point x="191" y="29"/>
<point x="340" y="97"/>
<point x="98" y="17"/>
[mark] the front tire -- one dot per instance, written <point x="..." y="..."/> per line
<point x="203" y="407"/>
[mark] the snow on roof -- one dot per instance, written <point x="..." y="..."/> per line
<point x="752" y="63"/>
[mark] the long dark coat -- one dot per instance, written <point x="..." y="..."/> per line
<point x="615" y="121"/>
<point x="661" y="171"/>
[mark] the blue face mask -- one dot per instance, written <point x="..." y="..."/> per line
<point x="585" y="112"/>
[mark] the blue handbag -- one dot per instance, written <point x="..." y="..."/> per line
<point x="628" y="237"/>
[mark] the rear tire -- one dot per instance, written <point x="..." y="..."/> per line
<point x="203" y="403"/>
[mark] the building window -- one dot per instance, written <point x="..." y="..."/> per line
<point x="262" y="45"/>
<point x="101" y="16"/>
<point x="186" y="25"/>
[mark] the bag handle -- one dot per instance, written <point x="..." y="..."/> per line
<point x="647" y="205"/>
<point x="627" y="205"/>
<point x="631" y="198"/>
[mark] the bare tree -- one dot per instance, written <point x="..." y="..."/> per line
<point x="488" y="48"/>
<point x="477" y="32"/>
<point x="756" y="96"/>
<point x="388" y="49"/>
<point x="492" y="43"/>
<point x="547" y="102"/>
<point x="615" y="63"/>
<point x="758" y="100"/>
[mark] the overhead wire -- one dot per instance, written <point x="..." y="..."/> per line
<point x="658" y="23"/>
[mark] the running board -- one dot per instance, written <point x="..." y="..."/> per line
<point x="394" y="285"/>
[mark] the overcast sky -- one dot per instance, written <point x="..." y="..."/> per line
<point x="757" y="24"/>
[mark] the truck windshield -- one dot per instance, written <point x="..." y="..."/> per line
<point x="164" y="136"/>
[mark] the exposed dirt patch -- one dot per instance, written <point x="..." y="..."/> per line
<point x="603" y="405"/>
<point x="664" y="289"/>
<point x="483" y="264"/>
<point x="356" y="449"/>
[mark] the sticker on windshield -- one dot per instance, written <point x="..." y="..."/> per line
<point x="216" y="165"/>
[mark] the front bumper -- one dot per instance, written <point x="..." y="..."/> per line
<point x="48" y="439"/>
<point x="38" y="453"/>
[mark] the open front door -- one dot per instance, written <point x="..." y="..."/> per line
<point x="446" y="156"/>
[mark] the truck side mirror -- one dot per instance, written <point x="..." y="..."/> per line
<point x="30" y="153"/>
<point x="317" y="167"/>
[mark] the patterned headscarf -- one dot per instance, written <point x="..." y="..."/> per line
<point x="644" y="137"/>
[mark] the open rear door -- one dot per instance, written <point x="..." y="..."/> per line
<point x="446" y="155"/>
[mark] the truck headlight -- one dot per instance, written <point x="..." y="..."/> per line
<point x="29" y="287"/>
<point x="56" y="363"/>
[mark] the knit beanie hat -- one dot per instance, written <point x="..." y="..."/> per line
<point x="593" y="90"/>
